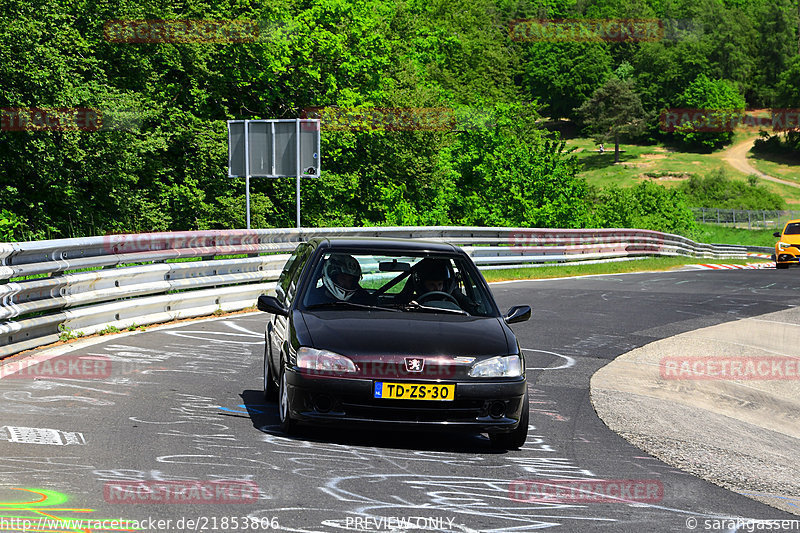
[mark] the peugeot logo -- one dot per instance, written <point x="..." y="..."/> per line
<point x="414" y="364"/>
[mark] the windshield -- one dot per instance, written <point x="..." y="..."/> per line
<point x="792" y="229"/>
<point x="411" y="283"/>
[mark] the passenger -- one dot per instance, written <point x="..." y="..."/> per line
<point x="341" y="275"/>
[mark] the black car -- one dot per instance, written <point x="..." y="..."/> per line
<point x="397" y="332"/>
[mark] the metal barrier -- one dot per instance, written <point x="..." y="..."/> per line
<point x="66" y="287"/>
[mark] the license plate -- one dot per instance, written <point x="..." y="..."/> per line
<point x="414" y="391"/>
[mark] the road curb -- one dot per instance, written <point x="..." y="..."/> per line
<point x="741" y="434"/>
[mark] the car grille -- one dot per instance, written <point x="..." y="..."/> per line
<point x="405" y="410"/>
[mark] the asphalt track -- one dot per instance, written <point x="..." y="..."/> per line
<point x="185" y="403"/>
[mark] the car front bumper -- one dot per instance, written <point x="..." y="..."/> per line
<point x="487" y="406"/>
<point x="787" y="258"/>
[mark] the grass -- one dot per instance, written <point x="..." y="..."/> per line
<point x="669" y="167"/>
<point x="636" y="162"/>
<point x="718" y="234"/>
<point x="777" y="165"/>
<point x="621" y="267"/>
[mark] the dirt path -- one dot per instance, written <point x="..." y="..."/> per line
<point x="736" y="156"/>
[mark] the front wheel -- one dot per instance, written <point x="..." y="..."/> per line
<point x="515" y="439"/>
<point x="287" y="422"/>
<point x="781" y="266"/>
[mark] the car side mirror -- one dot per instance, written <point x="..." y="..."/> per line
<point x="518" y="313"/>
<point x="270" y="304"/>
<point x="777" y="234"/>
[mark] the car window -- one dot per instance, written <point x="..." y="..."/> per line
<point x="470" y="285"/>
<point x="397" y="281"/>
<point x="286" y="274"/>
<point x="287" y="281"/>
<point x="304" y="250"/>
<point x="792" y="229"/>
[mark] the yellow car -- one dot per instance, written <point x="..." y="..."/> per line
<point x="787" y="249"/>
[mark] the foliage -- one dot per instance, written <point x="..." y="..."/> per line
<point x="786" y="143"/>
<point x="723" y="103"/>
<point x="718" y="190"/>
<point x="612" y="110"/>
<point x="108" y="329"/>
<point x="10" y="226"/>
<point x="646" y="206"/>
<point x="721" y="234"/>
<point x="788" y="88"/>
<point x="530" y="172"/>
<point x="159" y="161"/>
<point x="563" y="75"/>
<point x="66" y="334"/>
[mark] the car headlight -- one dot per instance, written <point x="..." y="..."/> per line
<point x="783" y="245"/>
<point x="508" y="366"/>
<point x="313" y="359"/>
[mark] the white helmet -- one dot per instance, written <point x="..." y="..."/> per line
<point x="340" y="264"/>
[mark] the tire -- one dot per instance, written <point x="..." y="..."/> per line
<point x="515" y="439"/>
<point x="288" y="424"/>
<point x="781" y="266"/>
<point x="270" y="389"/>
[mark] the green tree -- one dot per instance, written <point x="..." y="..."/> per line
<point x="515" y="174"/>
<point x="722" y="105"/>
<point x="563" y="75"/>
<point x="613" y="109"/>
<point x="718" y="190"/>
<point x="645" y="206"/>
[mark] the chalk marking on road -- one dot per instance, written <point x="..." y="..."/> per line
<point x="206" y="339"/>
<point x="569" y="361"/>
<point x="28" y="435"/>
<point x="247" y="332"/>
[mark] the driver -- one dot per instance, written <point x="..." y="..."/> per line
<point x="432" y="275"/>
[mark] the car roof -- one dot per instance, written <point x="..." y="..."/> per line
<point x="383" y="244"/>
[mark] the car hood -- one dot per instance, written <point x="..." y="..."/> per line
<point x="383" y="333"/>
<point x="793" y="239"/>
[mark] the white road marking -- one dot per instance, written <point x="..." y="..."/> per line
<point x="568" y="361"/>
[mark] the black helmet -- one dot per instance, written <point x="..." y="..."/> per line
<point x="433" y="269"/>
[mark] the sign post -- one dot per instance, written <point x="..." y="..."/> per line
<point x="274" y="148"/>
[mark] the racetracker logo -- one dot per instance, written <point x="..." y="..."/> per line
<point x="394" y="368"/>
<point x="587" y="491"/>
<point x="50" y="119"/>
<point x="719" y="120"/>
<point x="586" y="30"/>
<point x="61" y="367"/>
<point x="729" y="368"/>
<point x="181" y="31"/>
<point x="400" y="118"/>
<point x="216" y="242"/>
<point x="560" y="243"/>
<point x="180" y="492"/>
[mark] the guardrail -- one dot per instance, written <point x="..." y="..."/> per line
<point x="68" y="286"/>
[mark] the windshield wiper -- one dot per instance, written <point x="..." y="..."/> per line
<point x="414" y="306"/>
<point x="343" y="303"/>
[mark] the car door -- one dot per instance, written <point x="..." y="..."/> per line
<point x="285" y="292"/>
